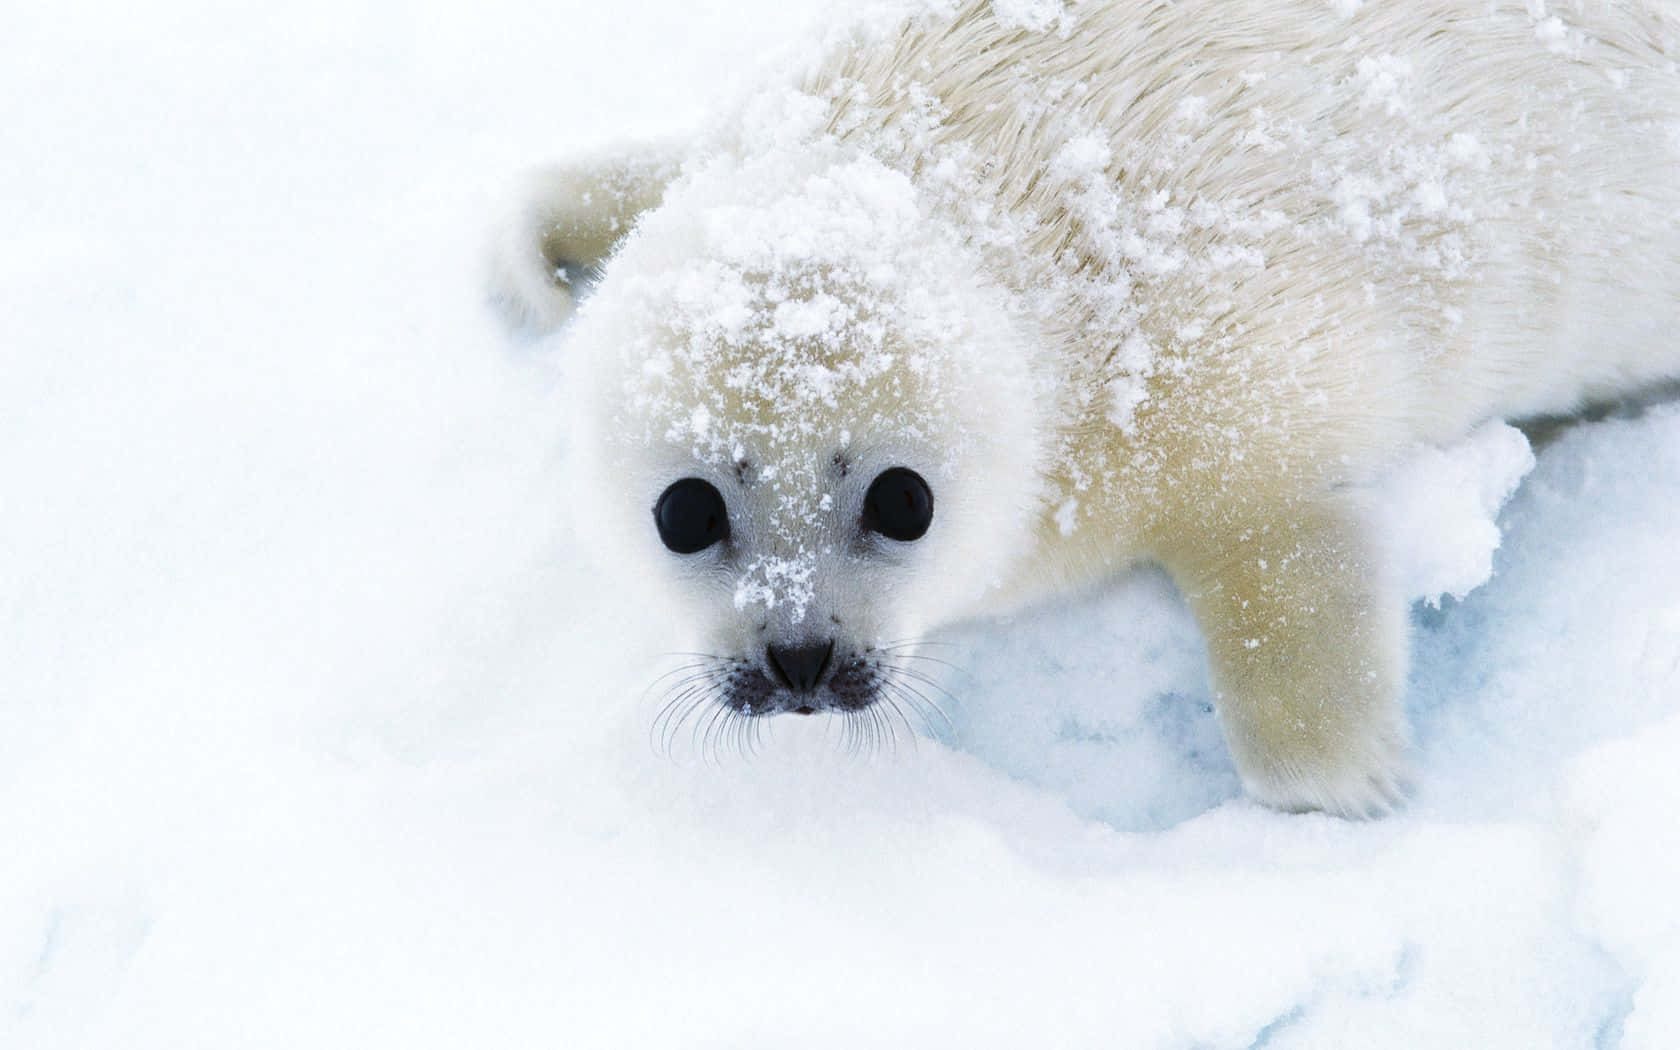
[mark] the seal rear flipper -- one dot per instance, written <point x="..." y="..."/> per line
<point x="564" y="220"/>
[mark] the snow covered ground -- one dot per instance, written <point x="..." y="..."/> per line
<point x="317" y="729"/>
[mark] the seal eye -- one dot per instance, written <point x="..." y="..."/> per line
<point x="691" y="516"/>
<point x="899" y="505"/>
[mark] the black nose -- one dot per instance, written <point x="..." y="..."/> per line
<point x="800" y="667"/>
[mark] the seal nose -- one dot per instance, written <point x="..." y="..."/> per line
<point x="800" y="667"/>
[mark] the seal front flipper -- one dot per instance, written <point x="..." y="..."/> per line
<point x="564" y="220"/>
<point x="1306" y="644"/>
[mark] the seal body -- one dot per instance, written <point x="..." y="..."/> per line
<point x="1121" y="281"/>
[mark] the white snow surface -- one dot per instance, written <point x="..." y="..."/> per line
<point x="319" y="729"/>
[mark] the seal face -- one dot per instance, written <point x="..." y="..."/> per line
<point x="802" y="676"/>
<point x="805" y="401"/>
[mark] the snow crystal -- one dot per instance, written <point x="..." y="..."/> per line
<point x="1557" y="36"/>
<point x="768" y="582"/>
<point x="1033" y="15"/>
<point x="1067" y="517"/>
<point x="1386" y="83"/>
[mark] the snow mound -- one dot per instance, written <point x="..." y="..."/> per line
<point x="1619" y="804"/>
<point x="1438" y="510"/>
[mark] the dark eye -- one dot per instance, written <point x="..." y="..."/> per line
<point x="899" y="505"/>
<point x="691" y="516"/>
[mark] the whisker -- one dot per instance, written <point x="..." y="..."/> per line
<point x="909" y="730"/>
<point x="662" y="722"/>
<point x="684" y="685"/>
<point x="915" y="643"/>
<point x="948" y="665"/>
<point x="733" y="724"/>
<point x="697" y="729"/>
<point x="720" y="718"/>
<point x="926" y="703"/>
<point x="682" y="709"/>
<point x="726" y="734"/>
<point x="690" y="666"/>
<point x="669" y="741"/>
<point x="678" y="686"/>
<point x="895" y="691"/>
<point x="921" y="676"/>
<point x="745" y="727"/>
<point x="694" y="674"/>
<point x="889" y="733"/>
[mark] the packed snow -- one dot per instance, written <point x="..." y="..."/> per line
<point x="320" y="728"/>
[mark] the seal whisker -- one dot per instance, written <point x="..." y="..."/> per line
<point x="854" y="734"/>
<point x="668" y="744"/>
<point x="674" y="695"/>
<point x="715" y="726"/>
<point x="898" y="709"/>
<point x="946" y="666"/>
<point x="701" y="729"/>
<point x="679" y="710"/>
<point x="698" y="676"/>
<point x="897" y="692"/>
<point x="753" y="730"/>
<point x="746" y="726"/>
<point x="887" y="710"/>
<point x="926" y="702"/>
<point x="911" y="674"/>
<point x="914" y="643"/>
<point x="924" y="678"/>
<point x="683" y="688"/>
<point x="727" y="728"/>
<point x="906" y="706"/>
<point x="694" y="665"/>
<point x="663" y="721"/>
<point x="737" y="734"/>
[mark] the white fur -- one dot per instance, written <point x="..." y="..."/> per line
<point x="1131" y="280"/>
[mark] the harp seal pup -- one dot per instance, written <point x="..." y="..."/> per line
<point x="989" y="302"/>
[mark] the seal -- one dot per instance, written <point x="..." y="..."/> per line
<point x="984" y="304"/>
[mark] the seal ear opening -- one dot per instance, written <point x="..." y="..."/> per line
<point x="563" y="221"/>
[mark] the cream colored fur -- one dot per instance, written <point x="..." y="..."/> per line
<point x="1253" y="251"/>
<point x="567" y="218"/>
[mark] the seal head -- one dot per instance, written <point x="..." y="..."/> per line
<point x="819" y="426"/>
